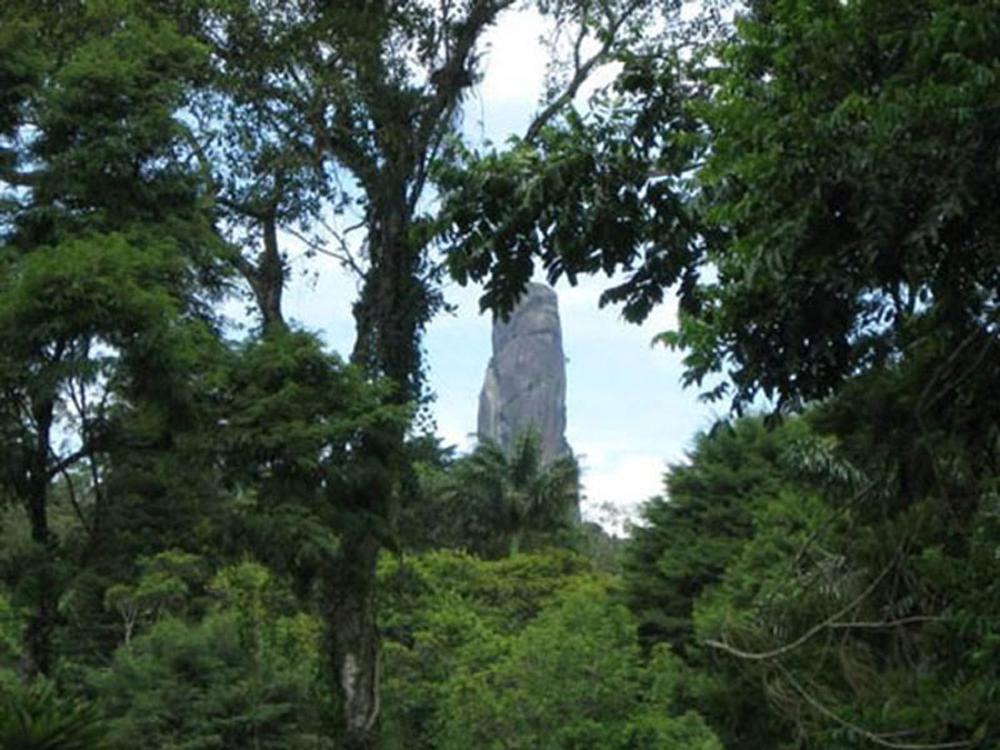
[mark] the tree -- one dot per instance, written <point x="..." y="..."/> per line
<point x="350" y="105"/>
<point x="443" y="612"/>
<point x="10" y="640"/>
<point x="103" y="246"/>
<point x="818" y="186"/>
<point x="853" y="213"/>
<point x="596" y="192"/>
<point x="572" y="678"/>
<point x="845" y="616"/>
<point x="297" y="418"/>
<point x="513" y="494"/>
<point x="859" y="265"/>
<point x="246" y="675"/>
<point x="686" y="539"/>
<point x="164" y="586"/>
<point x="687" y="543"/>
<point x="803" y="158"/>
<point x="524" y="651"/>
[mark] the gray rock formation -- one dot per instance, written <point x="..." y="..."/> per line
<point x="525" y="382"/>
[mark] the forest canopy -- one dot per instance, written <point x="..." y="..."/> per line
<point x="218" y="537"/>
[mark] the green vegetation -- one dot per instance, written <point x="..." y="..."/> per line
<point x="246" y="674"/>
<point x="533" y="650"/>
<point x="35" y="718"/>
<point x="217" y="537"/>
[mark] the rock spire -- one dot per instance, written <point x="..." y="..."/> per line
<point x="525" y="383"/>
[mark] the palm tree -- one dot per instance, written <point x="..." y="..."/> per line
<point x="516" y="491"/>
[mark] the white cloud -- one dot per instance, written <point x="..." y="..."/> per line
<point x="619" y="481"/>
<point x="515" y="59"/>
<point x="622" y="475"/>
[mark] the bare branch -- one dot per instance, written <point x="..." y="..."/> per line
<point x="79" y="401"/>
<point x="257" y="213"/>
<point x="245" y="268"/>
<point x="878" y="739"/>
<point x="22" y="179"/>
<point x="77" y="510"/>
<point x="198" y="151"/>
<point x="835" y="617"/>
<point x="581" y="70"/>
<point x="345" y="257"/>
<point x="66" y="462"/>
<point x="449" y="82"/>
<point x="450" y="79"/>
<point x="886" y="624"/>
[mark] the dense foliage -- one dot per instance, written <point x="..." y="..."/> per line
<point x="215" y="536"/>
<point x="818" y="184"/>
<point x="532" y="651"/>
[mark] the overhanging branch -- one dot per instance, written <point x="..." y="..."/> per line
<point x="582" y="69"/>
<point x="809" y="634"/>
<point x="878" y="739"/>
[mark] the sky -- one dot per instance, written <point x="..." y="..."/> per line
<point x="628" y="417"/>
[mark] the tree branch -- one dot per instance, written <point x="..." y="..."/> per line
<point x="449" y="82"/>
<point x="345" y="257"/>
<point x="198" y="151"/>
<point x="77" y="510"/>
<point x="835" y="617"/>
<point x="22" y="179"/>
<point x="878" y="739"/>
<point x="886" y="624"/>
<point x="65" y="463"/>
<point x="581" y="71"/>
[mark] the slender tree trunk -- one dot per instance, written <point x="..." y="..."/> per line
<point x="355" y="640"/>
<point x="266" y="276"/>
<point x="270" y="279"/>
<point x="37" y="636"/>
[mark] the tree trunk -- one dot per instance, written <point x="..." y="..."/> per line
<point x="266" y="276"/>
<point x="270" y="278"/>
<point x="37" y="637"/>
<point x="355" y="639"/>
<point x="394" y="304"/>
<point x="389" y="315"/>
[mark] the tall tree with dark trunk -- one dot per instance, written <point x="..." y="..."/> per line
<point x="347" y="107"/>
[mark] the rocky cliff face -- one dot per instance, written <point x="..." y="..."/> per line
<point x="525" y="382"/>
